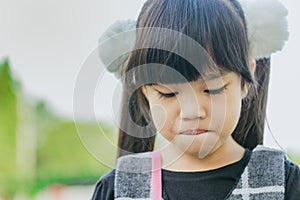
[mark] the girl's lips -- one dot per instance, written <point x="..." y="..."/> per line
<point x="193" y="132"/>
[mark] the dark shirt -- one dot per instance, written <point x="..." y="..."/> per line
<point x="212" y="184"/>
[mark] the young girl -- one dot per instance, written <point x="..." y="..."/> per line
<point x="198" y="76"/>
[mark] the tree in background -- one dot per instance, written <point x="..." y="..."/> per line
<point x="39" y="148"/>
<point x="8" y="124"/>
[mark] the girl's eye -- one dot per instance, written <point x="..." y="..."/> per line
<point x="166" y="95"/>
<point x="217" y="91"/>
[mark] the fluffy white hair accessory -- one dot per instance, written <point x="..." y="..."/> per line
<point x="267" y="26"/>
<point x="115" y="45"/>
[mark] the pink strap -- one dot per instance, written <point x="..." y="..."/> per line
<point x="156" y="175"/>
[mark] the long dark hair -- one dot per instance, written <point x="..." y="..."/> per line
<point x="219" y="27"/>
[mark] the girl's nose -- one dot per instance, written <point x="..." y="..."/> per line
<point x="191" y="109"/>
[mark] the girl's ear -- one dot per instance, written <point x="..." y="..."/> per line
<point x="245" y="90"/>
<point x="246" y="87"/>
<point x="145" y="91"/>
<point x="253" y="67"/>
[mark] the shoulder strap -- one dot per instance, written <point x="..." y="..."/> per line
<point x="263" y="177"/>
<point x="156" y="175"/>
<point x="138" y="176"/>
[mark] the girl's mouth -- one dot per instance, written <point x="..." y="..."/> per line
<point x="193" y="132"/>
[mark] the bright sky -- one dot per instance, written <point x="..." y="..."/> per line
<point x="48" y="41"/>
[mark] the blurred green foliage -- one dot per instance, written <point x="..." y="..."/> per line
<point x="38" y="148"/>
<point x="8" y="122"/>
<point x="62" y="158"/>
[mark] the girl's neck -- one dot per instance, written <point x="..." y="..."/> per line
<point x="228" y="153"/>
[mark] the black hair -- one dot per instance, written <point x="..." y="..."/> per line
<point x="219" y="27"/>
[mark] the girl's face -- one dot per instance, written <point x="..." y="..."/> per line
<point x="197" y="117"/>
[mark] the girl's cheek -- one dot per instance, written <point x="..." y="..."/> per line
<point x="218" y="112"/>
<point x="164" y="114"/>
<point x="227" y="115"/>
<point x="159" y="116"/>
